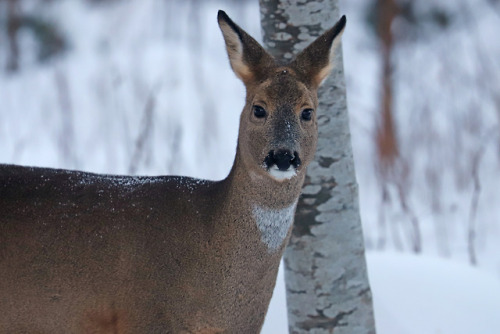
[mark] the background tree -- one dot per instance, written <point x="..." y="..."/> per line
<point x="325" y="271"/>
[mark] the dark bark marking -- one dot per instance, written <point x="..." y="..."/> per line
<point x="297" y="292"/>
<point x="305" y="216"/>
<point x="318" y="254"/>
<point x="305" y="219"/>
<point x="324" y="322"/>
<point x="326" y="162"/>
<point x="298" y="272"/>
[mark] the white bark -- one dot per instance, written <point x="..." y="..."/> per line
<point x="325" y="269"/>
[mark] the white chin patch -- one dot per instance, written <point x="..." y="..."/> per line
<point x="282" y="174"/>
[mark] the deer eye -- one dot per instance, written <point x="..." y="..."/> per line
<point x="259" y="112"/>
<point x="307" y="114"/>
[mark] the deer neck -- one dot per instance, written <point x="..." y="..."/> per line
<point x="267" y="204"/>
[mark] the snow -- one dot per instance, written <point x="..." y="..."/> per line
<point x="415" y="294"/>
<point x="418" y="295"/>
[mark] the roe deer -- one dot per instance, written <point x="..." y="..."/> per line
<point x="88" y="253"/>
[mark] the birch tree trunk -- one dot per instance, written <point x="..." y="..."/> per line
<point x="325" y="269"/>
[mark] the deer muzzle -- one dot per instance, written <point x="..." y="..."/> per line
<point x="282" y="163"/>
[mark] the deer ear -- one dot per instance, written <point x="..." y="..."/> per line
<point x="247" y="57"/>
<point x="314" y="63"/>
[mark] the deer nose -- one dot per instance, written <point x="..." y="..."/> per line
<point x="283" y="159"/>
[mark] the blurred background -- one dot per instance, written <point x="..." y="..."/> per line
<point x="144" y="87"/>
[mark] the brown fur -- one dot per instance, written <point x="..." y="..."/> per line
<point x="88" y="253"/>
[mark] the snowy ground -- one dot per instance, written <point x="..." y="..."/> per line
<point x="415" y="295"/>
<point x="419" y="295"/>
<point x="155" y="72"/>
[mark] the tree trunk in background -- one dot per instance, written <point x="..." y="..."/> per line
<point x="13" y="25"/>
<point x="387" y="147"/>
<point x="325" y="269"/>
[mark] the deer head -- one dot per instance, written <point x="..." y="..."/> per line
<point x="278" y="125"/>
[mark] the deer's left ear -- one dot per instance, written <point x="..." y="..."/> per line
<point x="248" y="58"/>
<point x="314" y="63"/>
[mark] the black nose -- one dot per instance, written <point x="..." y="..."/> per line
<point x="283" y="159"/>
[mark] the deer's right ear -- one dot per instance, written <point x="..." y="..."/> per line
<point x="247" y="57"/>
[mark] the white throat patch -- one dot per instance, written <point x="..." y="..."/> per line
<point x="273" y="224"/>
